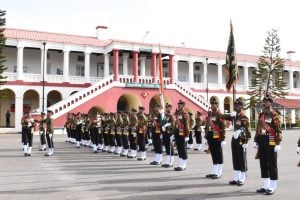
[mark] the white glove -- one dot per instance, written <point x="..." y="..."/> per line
<point x="163" y="128"/>
<point x="223" y="143"/>
<point x="245" y="146"/>
<point x="205" y="141"/>
<point x="233" y="114"/>
<point x="172" y="138"/>
<point x="236" y="134"/>
<point x="186" y="139"/>
<point x="277" y="148"/>
<point x="298" y="150"/>
<point x="167" y="125"/>
<point x="161" y="136"/>
<point x="255" y="145"/>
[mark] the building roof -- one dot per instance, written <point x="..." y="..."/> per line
<point x="54" y="37"/>
<point x="288" y="103"/>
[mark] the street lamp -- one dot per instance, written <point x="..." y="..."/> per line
<point x="43" y="74"/>
<point x="145" y="35"/>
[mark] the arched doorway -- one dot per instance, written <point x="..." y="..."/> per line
<point x="228" y="105"/>
<point x="30" y="101"/>
<point x="94" y="110"/>
<point x="7" y="103"/>
<point x="128" y="101"/>
<point x="53" y="97"/>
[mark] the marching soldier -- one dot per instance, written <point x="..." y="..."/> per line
<point x="94" y="130"/>
<point x="78" y="129"/>
<point x="141" y="133"/>
<point x="42" y="132"/>
<point x="215" y="136"/>
<point x="168" y="137"/>
<point x="191" y="125"/>
<point x="86" y="134"/>
<point x="105" y="131"/>
<point x="27" y="133"/>
<point x="239" y="142"/>
<point x="100" y="132"/>
<point x="49" y="133"/>
<point x="267" y="139"/>
<point x="298" y="150"/>
<point x="67" y="127"/>
<point x="156" y="135"/>
<point x="132" y="133"/>
<point x="111" y="133"/>
<point x="197" y="130"/>
<point x="181" y="133"/>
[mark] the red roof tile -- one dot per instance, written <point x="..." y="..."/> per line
<point x="54" y="37"/>
<point x="289" y="103"/>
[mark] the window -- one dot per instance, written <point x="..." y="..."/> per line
<point x="166" y="74"/>
<point x="48" y="68"/>
<point x="182" y="78"/>
<point x="80" y="58"/>
<point x="15" y="69"/>
<point x="120" y="69"/>
<point x="197" y="67"/>
<point x="100" y="70"/>
<point x="79" y="70"/>
<point x="59" y="71"/>
<point x="25" y="69"/>
<point x="48" y="55"/>
<point x="197" y="78"/>
<point x="165" y="65"/>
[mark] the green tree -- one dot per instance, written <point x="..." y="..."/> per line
<point x="2" y="44"/>
<point x="268" y="78"/>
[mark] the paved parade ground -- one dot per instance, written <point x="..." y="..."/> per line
<point x="79" y="174"/>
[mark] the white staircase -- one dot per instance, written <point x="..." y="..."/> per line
<point x="64" y="106"/>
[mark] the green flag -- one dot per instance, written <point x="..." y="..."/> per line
<point x="231" y="64"/>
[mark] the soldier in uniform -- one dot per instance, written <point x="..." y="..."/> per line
<point x="168" y="137"/>
<point x="105" y="131"/>
<point x="67" y="127"/>
<point x="78" y="129"/>
<point x="156" y="135"/>
<point x="191" y="130"/>
<point x="141" y="133"/>
<point x="118" y="136"/>
<point x="49" y="133"/>
<point x="125" y="141"/>
<point x="197" y="130"/>
<point x="132" y="133"/>
<point x="239" y="142"/>
<point x="42" y="131"/>
<point x="267" y="139"/>
<point x="215" y="136"/>
<point x="298" y="150"/>
<point x="111" y="133"/>
<point x="181" y="133"/>
<point x="94" y="131"/>
<point x="27" y="133"/>
<point x="100" y="132"/>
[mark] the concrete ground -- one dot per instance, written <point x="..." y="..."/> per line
<point x="80" y="174"/>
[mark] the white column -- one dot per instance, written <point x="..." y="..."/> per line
<point x="246" y="77"/>
<point x="125" y="63"/>
<point x="191" y="72"/>
<point x="291" y="79"/>
<point x="175" y="69"/>
<point x="143" y="65"/>
<point x="220" y="73"/>
<point x="18" y="112"/>
<point x="87" y="67"/>
<point x="204" y="72"/>
<point x="43" y="63"/>
<point x="293" y="116"/>
<point x="20" y="63"/>
<point x="66" y="65"/>
<point x="106" y="65"/>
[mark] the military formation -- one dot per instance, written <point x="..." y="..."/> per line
<point x="172" y="132"/>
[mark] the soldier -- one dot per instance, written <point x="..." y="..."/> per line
<point x="42" y="132"/>
<point x="118" y="136"/>
<point x="298" y="150"/>
<point x="141" y="133"/>
<point x="191" y="125"/>
<point x="125" y="141"/>
<point x="105" y="131"/>
<point x="100" y="132"/>
<point x="27" y="133"/>
<point x="239" y="142"/>
<point x="267" y="139"/>
<point x="156" y="135"/>
<point x="94" y="130"/>
<point x="197" y="130"/>
<point x="49" y="133"/>
<point x="111" y="133"/>
<point x="215" y="136"/>
<point x="132" y="133"/>
<point x="168" y="137"/>
<point x="181" y="133"/>
<point x="78" y="129"/>
<point x="67" y="127"/>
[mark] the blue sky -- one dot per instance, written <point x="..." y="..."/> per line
<point x="202" y="24"/>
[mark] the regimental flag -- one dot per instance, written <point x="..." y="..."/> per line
<point x="161" y="80"/>
<point x="231" y="62"/>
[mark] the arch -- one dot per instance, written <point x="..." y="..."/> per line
<point x="53" y="97"/>
<point x="228" y="105"/>
<point x="7" y="103"/>
<point x="30" y="100"/>
<point x="95" y="109"/>
<point x="128" y="101"/>
<point x="156" y="100"/>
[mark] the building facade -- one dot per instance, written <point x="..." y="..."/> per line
<point x="70" y="73"/>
